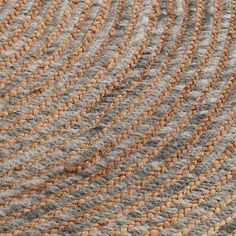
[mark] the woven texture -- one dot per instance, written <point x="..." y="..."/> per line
<point x="117" y="117"/>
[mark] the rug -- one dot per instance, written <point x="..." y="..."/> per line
<point x="117" y="117"/>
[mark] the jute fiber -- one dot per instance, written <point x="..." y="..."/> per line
<point x="117" y="117"/>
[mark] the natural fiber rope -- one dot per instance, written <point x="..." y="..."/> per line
<point x="117" y="117"/>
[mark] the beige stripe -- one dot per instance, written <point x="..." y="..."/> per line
<point x="124" y="174"/>
<point x="77" y="97"/>
<point x="42" y="50"/>
<point x="188" y="207"/>
<point x="51" y="58"/>
<point x="41" y="156"/>
<point x="206" y="215"/>
<point x="209" y="147"/>
<point x="14" y="36"/>
<point x="65" y="65"/>
<point x="214" y="229"/>
<point x="146" y="40"/>
<point x="174" y="80"/>
<point x="131" y="170"/>
<point x="7" y="22"/>
<point x="114" y="121"/>
<point x="233" y="233"/>
<point x="2" y="3"/>
<point x="184" y="171"/>
<point x="92" y="177"/>
<point x="101" y="158"/>
<point x="68" y="103"/>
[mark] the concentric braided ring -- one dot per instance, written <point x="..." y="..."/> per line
<point x="118" y="117"/>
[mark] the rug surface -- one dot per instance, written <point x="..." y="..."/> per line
<point x="117" y="117"/>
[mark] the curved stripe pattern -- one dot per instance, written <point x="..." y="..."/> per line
<point x="118" y="117"/>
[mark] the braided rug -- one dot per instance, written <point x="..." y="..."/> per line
<point x="117" y="117"/>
